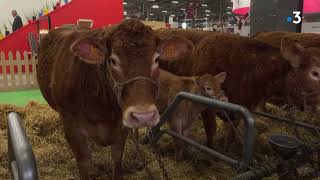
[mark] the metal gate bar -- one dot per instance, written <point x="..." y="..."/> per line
<point x="249" y="137"/>
<point x="21" y="158"/>
<point x="286" y="120"/>
<point x="201" y="147"/>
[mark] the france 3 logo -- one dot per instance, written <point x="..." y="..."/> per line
<point x="297" y="17"/>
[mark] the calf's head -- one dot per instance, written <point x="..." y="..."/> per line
<point x="129" y="54"/>
<point x="210" y="86"/>
<point x="305" y="74"/>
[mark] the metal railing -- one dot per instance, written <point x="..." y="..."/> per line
<point x="288" y="121"/>
<point x="21" y="158"/>
<point x="156" y="132"/>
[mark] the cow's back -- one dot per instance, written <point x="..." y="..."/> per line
<point x="171" y="85"/>
<point x="192" y="35"/>
<point x="181" y="67"/>
<point x="275" y="38"/>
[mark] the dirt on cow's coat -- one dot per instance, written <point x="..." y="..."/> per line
<point x="55" y="160"/>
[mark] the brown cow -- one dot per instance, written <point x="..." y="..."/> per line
<point x="182" y="66"/>
<point x="187" y="111"/>
<point x="255" y="69"/>
<point x="305" y="96"/>
<point x="103" y="81"/>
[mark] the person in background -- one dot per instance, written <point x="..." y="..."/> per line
<point x="17" y="22"/>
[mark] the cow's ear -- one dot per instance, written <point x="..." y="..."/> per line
<point x="221" y="77"/>
<point x="174" y="48"/>
<point x="89" y="50"/>
<point x="292" y="51"/>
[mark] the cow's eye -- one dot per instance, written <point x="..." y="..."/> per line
<point x="156" y="58"/>
<point x="112" y="61"/>
<point x="315" y="74"/>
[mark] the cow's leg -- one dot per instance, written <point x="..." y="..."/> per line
<point x="210" y="125"/>
<point x="187" y="149"/>
<point x="78" y="143"/>
<point x="262" y="106"/>
<point x="117" y="153"/>
<point x="231" y="131"/>
<point x="175" y="125"/>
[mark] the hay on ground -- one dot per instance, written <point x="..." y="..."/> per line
<point x="55" y="160"/>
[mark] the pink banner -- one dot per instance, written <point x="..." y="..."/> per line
<point x="309" y="7"/>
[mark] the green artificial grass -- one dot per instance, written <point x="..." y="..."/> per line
<point x="21" y="98"/>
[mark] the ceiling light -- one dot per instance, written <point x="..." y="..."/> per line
<point x="229" y="13"/>
<point x="151" y="14"/>
<point x="229" y="7"/>
<point x="155" y="6"/>
<point x="172" y="15"/>
<point x="204" y="5"/>
<point x="184" y="25"/>
<point x="207" y="11"/>
<point x="182" y="9"/>
<point x="124" y="3"/>
<point x="164" y="11"/>
<point x="207" y="14"/>
<point x="151" y="0"/>
<point x="125" y="12"/>
<point x="175" y="2"/>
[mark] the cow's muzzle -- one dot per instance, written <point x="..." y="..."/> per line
<point x="141" y="116"/>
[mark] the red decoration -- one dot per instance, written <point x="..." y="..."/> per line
<point x="100" y="11"/>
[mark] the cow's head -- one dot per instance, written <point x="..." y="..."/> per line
<point x="130" y="53"/>
<point x="305" y="73"/>
<point x="210" y="86"/>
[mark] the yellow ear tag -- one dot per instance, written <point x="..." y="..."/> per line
<point x="170" y="52"/>
<point x="95" y="52"/>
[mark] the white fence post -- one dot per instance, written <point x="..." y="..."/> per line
<point x="19" y="80"/>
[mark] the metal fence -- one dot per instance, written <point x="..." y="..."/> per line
<point x="21" y="158"/>
<point x="249" y="135"/>
<point x="17" y="73"/>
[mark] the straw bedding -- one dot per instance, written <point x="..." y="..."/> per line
<point x="55" y="160"/>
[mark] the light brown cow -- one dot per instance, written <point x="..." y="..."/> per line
<point x="103" y="81"/>
<point x="306" y="95"/>
<point x="187" y="112"/>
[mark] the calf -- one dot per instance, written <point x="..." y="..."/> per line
<point x="299" y="89"/>
<point x="186" y="113"/>
<point x="102" y="82"/>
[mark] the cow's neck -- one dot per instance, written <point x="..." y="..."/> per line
<point x="181" y="67"/>
<point x="195" y="108"/>
<point x="277" y="77"/>
<point x="106" y="82"/>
